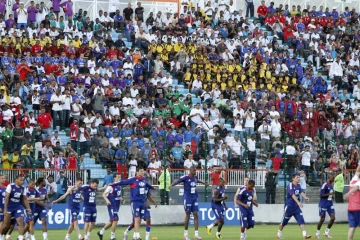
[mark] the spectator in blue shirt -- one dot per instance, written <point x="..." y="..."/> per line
<point x="176" y="160"/>
<point x="109" y="178"/>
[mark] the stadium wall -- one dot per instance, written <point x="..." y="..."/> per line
<point x="59" y="215"/>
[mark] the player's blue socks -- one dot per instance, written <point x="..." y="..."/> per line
<point x="148" y="227"/>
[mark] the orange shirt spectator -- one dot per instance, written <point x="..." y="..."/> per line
<point x="23" y="70"/>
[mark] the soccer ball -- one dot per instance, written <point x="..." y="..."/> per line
<point x="154" y="238"/>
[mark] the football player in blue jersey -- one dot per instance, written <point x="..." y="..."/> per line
<point x="147" y="218"/>
<point x="74" y="205"/>
<point x="15" y="199"/>
<point x="90" y="212"/>
<point x="113" y="198"/>
<point x="218" y="207"/>
<point x="2" y="201"/>
<point x="138" y="195"/>
<point x="293" y="207"/>
<point x="41" y="206"/>
<point x="326" y="205"/>
<point x="190" y="200"/>
<point x="2" y="198"/>
<point x="33" y="196"/>
<point x="245" y="201"/>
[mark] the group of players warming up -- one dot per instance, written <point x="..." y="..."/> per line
<point x="23" y="207"/>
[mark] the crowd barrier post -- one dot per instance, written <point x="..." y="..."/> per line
<point x="246" y="155"/>
<point x="78" y="149"/>
<point x="206" y="162"/>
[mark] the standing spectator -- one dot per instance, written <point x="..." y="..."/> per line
<point x="57" y="109"/>
<point x="128" y="13"/>
<point x="18" y="136"/>
<point x="26" y="149"/>
<point x="67" y="8"/>
<point x="139" y="12"/>
<point x="250" y="118"/>
<point x="270" y="185"/>
<point x="22" y="15"/>
<point x="262" y="12"/>
<point x="164" y="179"/>
<point x="133" y="163"/>
<point x="109" y="178"/>
<point x="306" y="160"/>
<point x="249" y="8"/>
<point x="251" y="146"/>
<point x="45" y="121"/>
<point x="339" y="186"/>
<point x="31" y="10"/>
<point x="265" y="132"/>
<point x="15" y="7"/>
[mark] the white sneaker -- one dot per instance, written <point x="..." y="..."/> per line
<point x="125" y="236"/>
<point x="327" y="235"/>
<point x="198" y="237"/>
<point x="317" y="235"/>
<point x="186" y="237"/>
<point x="279" y="236"/>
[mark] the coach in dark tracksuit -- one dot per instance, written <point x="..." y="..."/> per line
<point x="270" y="186"/>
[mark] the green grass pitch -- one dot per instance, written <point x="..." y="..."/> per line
<point x="260" y="232"/>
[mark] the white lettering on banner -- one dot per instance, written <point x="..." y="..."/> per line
<point x="231" y="214"/>
<point x="59" y="217"/>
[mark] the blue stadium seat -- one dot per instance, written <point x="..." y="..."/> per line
<point x="196" y="100"/>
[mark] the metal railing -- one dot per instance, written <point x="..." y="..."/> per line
<point x="11" y="174"/>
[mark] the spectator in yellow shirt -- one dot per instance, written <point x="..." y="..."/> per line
<point x="25" y="155"/>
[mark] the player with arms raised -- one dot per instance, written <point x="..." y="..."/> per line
<point x="14" y="199"/>
<point x="112" y="196"/>
<point x="218" y="207"/>
<point x="354" y="204"/>
<point x="138" y="195"/>
<point x="245" y="200"/>
<point x="190" y="200"/>
<point x="74" y="206"/>
<point x="293" y="207"/>
<point x="326" y="206"/>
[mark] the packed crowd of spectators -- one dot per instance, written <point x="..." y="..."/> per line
<point x="243" y="87"/>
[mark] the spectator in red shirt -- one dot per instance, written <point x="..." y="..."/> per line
<point x="289" y="36"/>
<point x="262" y="12"/>
<point x="276" y="162"/>
<point x="36" y="48"/>
<point x="23" y="70"/>
<point x="45" y="120"/>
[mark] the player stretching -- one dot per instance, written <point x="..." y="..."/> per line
<point x="147" y="218"/>
<point x="112" y="196"/>
<point x="41" y="206"/>
<point x="293" y="207"/>
<point x="219" y="208"/>
<point x="14" y="199"/>
<point x="89" y="194"/>
<point x="32" y="195"/>
<point x="74" y="206"/>
<point x="326" y="205"/>
<point x="354" y="204"/>
<point x="138" y="197"/>
<point x="245" y="200"/>
<point x="190" y="200"/>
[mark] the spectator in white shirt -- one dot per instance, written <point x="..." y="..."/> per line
<point x="275" y="127"/>
<point x="57" y="108"/>
<point x="306" y="160"/>
<point x="196" y="115"/>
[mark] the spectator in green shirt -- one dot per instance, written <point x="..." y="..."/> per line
<point x="339" y="186"/>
